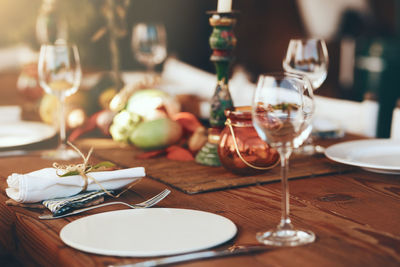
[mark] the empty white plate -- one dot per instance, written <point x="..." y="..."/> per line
<point x="20" y="133"/>
<point x="148" y="232"/>
<point x="377" y="155"/>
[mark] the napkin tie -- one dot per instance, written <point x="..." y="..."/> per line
<point x="83" y="168"/>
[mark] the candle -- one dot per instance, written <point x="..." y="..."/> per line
<point x="224" y="6"/>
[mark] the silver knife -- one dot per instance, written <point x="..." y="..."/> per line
<point x="234" y="250"/>
<point x="13" y="153"/>
<point x="21" y="152"/>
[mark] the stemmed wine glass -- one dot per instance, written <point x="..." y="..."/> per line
<point x="149" y="44"/>
<point x="60" y="74"/>
<point x="308" y="57"/>
<point x="282" y="111"/>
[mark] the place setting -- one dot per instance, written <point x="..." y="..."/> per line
<point x="65" y="191"/>
<point x="121" y="152"/>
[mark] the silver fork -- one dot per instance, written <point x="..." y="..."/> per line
<point x="145" y="204"/>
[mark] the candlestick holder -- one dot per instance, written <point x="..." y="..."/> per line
<point x="222" y="41"/>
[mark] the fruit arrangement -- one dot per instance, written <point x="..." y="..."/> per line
<point x="145" y="121"/>
<point x="149" y="119"/>
<point x="153" y="122"/>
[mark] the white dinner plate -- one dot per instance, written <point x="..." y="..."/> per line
<point x="20" y="133"/>
<point x="148" y="232"/>
<point x="377" y="155"/>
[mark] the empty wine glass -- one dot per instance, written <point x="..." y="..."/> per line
<point x="282" y="111"/>
<point x="60" y="74"/>
<point x="308" y="57"/>
<point x="149" y="44"/>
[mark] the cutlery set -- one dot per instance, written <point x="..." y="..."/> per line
<point x="145" y="204"/>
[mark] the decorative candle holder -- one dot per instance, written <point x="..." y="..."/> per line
<point x="240" y="149"/>
<point x="222" y="41"/>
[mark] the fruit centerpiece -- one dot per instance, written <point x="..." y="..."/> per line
<point x="152" y="121"/>
<point x="146" y="121"/>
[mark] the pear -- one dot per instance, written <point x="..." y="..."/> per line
<point x="156" y="134"/>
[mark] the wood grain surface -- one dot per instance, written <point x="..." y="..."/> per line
<point x="355" y="216"/>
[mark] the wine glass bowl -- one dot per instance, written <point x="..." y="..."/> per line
<point x="282" y="111"/>
<point x="60" y="74"/>
<point x="307" y="57"/>
<point x="57" y="76"/>
<point x="282" y="114"/>
<point x="149" y="44"/>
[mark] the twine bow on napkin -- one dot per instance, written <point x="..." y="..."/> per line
<point x="84" y="168"/>
<point x="69" y="180"/>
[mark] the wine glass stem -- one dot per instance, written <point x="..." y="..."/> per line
<point x="285" y="220"/>
<point x="150" y="68"/>
<point x="61" y="114"/>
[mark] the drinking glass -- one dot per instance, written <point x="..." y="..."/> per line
<point x="149" y="44"/>
<point x="60" y="74"/>
<point x="282" y="111"/>
<point x="308" y="57"/>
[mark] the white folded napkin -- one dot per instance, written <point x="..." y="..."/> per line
<point x="352" y="116"/>
<point x="46" y="184"/>
<point x="10" y="114"/>
<point x="181" y="78"/>
<point x="13" y="57"/>
<point x="395" y="128"/>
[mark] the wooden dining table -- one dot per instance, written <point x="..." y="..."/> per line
<point x="354" y="213"/>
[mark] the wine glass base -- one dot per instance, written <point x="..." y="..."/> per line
<point x="286" y="238"/>
<point x="309" y="150"/>
<point x="60" y="154"/>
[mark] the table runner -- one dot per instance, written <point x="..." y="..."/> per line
<point x="202" y="178"/>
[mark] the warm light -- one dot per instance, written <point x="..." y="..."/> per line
<point x="76" y="118"/>
<point x="148" y="108"/>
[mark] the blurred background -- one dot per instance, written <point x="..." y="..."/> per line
<point x="362" y="38"/>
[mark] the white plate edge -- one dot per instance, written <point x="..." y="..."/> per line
<point x="128" y="254"/>
<point x="358" y="163"/>
<point x="51" y="131"/>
